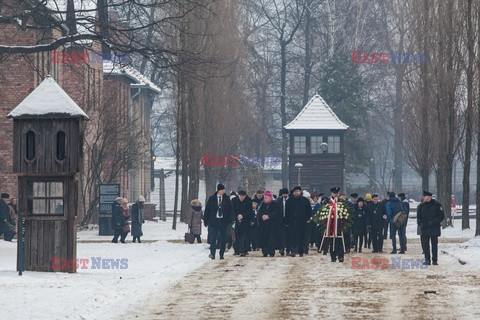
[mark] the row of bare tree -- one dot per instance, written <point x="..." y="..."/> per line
<point x="236" y="71"/>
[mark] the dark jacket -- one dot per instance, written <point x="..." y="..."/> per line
<point x="429" y="217"/>
<point x="359" y="227"/>
<point x="245" y="209"/>
<point x="4" y="217"/>
<point x="117" y="217"/>
<point x="268" y="236"/>
<point x="137" y="220"/>
<point x="375" y="216"/>
<point x="393" y="207"/>
<point x="211" y="208"/>
<point x="258" y="201"/>
<point x="298" y="211"/>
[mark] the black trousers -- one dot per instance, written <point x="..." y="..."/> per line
<point x="377" y="239"/>
<point x="308" y="235"/>
<point x="118" y="232"/>
<point x="426" y="248"/>
<point x="347" y="238"/>
<point x="338" y="252"/>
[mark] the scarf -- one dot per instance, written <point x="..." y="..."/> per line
<point x="197" y="208"/>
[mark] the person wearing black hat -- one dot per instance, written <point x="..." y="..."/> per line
<point x="402" y="231"/>
<point x="359" y="228"/>
<point x="6" y="224"/>
<point x="429" y="217"/>
<point x="348" y="236"/>
<point x="376" y="222"/>
<point x="334" y="192"/>
<point x="218" y="215"/>
<point x="243" y="214"/>
<point x="298" y="212"/>
<point x="383" y="212"/>
<point x="258" y="198"/>
<point x="281" y="223"/>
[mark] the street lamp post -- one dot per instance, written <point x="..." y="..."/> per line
<point x="299" y="166"/>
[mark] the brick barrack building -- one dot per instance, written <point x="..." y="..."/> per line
<point x="100" y="88"/>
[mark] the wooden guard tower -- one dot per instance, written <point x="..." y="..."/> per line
<point x="317" y="143"/>
<point x="47" y="151"/>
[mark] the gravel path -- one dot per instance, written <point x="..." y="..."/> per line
<point x="312" y="287"/>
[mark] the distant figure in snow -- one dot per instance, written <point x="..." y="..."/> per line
<point x="138" y="218"/>
<point x="117" y="220"/>
<point x="194" y="219"/>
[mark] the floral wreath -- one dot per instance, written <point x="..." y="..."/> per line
<point x="344" y="216"/>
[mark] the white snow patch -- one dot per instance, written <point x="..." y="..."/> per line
<point x="100" y="293"/>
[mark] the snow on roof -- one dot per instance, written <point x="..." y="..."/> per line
<point x="140" y="80"/>
<point x="47" y="101"/>
<point x="316" y="115"/>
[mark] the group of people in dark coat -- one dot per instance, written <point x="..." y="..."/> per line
<point x="285" y="223"/>
<point x="260" y="223"/>
<point x="120" y="219"/>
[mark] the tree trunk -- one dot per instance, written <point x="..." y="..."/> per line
<point x="308" y="58"/>
<point x="398" y="125"/>
<point x="283" y="112"/>
<point x="477" y="200"/>
<point x="468" y="121"/>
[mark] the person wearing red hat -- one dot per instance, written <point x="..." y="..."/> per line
<point x="269" y="212"/>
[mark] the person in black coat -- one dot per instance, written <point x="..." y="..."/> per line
<point x="117" y="219"/>
<point x="376" y="221"/>
<point x="268" y="213"/>
<point x="359" y="228"/>
<point x="138" y="219"/>
<point x="298" y="213"/>
<point x="280" y="223"/>
<point x="218" y="215"/>
<point x="429" y="217"/>
<point x="242" y="211"/>
<point x="382" y="209"/>
<point x="6" y="222"/>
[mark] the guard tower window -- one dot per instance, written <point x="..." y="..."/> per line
<point x="30" y="145"/>
<point x="333" y="144"/>
<point x="45" y="198"/>
<point x="300" y="144"/>
<point x="315" y="144"/>
<point x="60" y="145"/>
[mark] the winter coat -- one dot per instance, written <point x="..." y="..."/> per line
<point x="117" y="219"/>
<point x="258" y="201"/>
<point x="245" y="209"/>
<point x="137" y="220"/>
<point x="280" y="225"/>
<point x="194" y="220"/>
<point x="268" y="237"/>
<point x="4" y="217"/>
<point x="297" y="212"/>
<point x="211" y="209"/>
<point x="375" y="216"/>
<point x="393" y="207"/>
<point x="429" y="217"/>
<point x="359" y="227"/>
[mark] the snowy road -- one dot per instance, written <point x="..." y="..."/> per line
<point x="312" y="287"/>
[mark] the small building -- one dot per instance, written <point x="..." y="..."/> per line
<point x="48" y="160"/>
<point x="317" y="146"/>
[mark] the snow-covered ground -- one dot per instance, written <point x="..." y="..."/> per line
<point x="155" y="267"/>
<point x="100" y="293"/>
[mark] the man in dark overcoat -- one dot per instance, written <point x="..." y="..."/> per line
<point x="298" y="212"/>
<point x="218" y="215"/>
<point x="429" y="217"/>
